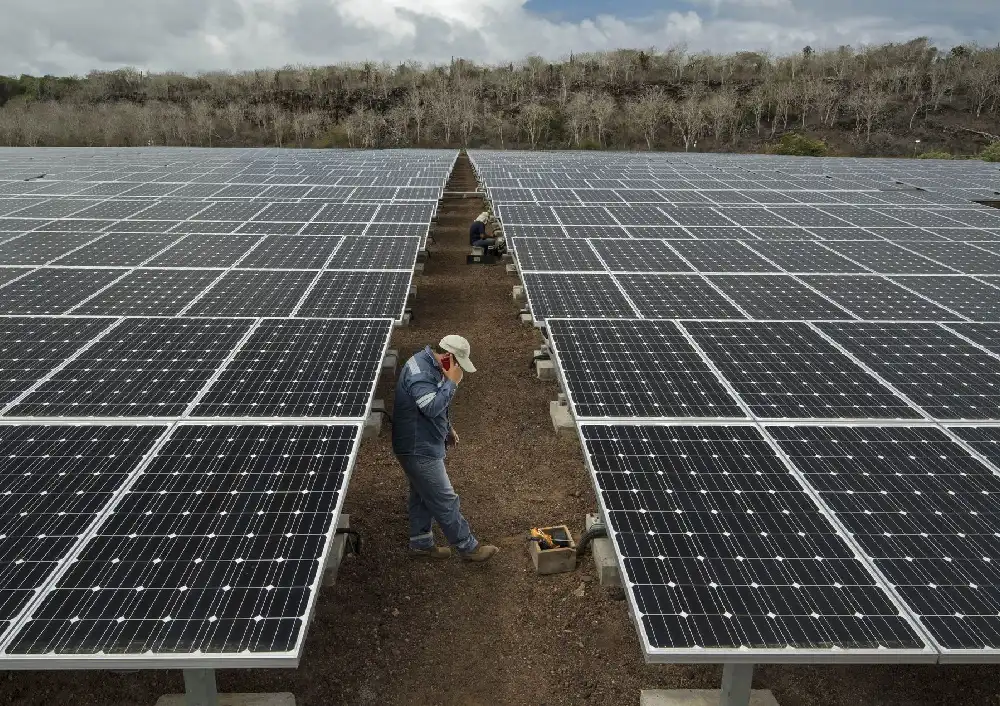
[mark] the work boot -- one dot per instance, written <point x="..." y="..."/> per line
<point x="481" y="553"/>
<point x="432" y="553"/>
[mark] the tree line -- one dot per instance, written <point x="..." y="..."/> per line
<point x="872" y="100"/>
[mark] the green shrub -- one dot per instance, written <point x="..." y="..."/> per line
<point x="935" y="154"/>
<point x="991" y="153"/>
<point x="800" y="146"/>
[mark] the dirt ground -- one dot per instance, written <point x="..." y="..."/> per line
<point x="393" y="631"/>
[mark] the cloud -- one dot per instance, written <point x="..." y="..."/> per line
<point x="73" y="36"/>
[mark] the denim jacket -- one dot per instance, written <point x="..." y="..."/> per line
<point x="420" y="422"/>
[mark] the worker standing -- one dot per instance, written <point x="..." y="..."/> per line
<point x="421" y="430"/>
<point x="479" y="237"/>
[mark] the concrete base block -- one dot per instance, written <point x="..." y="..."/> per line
<point x="508" y="257"/>
<point x="512" y="269"/>
<point x="389" y="362"/>
<point x="545" y="369"/>
<point x="422" y="256"/>
<point x="604" y="561"/>
<point x="562" y="420"/>
<point x="373" y="425"/>
<point x="476" y="251"/>
<point x="337" y="552"/>
<point x="282" y="699"/>
<point x="518" y="294"/>
<point x="527" y="320"/>
<point x="413" y="291"/>
<point x="405" y="321"/>
<point x="698" y="697"/>
<point x="418" y="269"/>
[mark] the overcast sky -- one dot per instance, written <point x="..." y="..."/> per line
<point x="75" y="36"/>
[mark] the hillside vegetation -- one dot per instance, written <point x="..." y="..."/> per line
<point x="873" y="100"/>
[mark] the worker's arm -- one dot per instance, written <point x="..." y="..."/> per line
<point x="432" y="399"/>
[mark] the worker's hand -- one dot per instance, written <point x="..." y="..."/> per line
<point x="454" y="373"/>
<point x="452" y="437"/>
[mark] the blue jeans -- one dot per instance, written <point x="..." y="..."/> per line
<point x="433" y="498"/>
<point x="484" y="243"/>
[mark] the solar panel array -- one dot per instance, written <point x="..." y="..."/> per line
<point x="784" y="372"/>
<point x="189" y="346"/>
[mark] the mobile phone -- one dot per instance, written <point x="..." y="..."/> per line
<point x="446" y="363"/>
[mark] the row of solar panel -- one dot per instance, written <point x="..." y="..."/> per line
<point x="239" y="293"/>
<point x="263" y="210"/>
<point x="779" y="370"/>
<point x="749" y="216"/>
<point x="200" y="367"/>
<point x="793" y="257"/>
<point x="754" y="233"/>
<point x="220" y="189"/>
<point x="245" y="250"/>
<point x="164" y="539"/>
<point x="695" y="296"/>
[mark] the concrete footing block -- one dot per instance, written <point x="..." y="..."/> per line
<point x="508" y="257"/>
<point x="337" y="551"/>
<point x="282" y="699"/>
<point x="518" y="293"/>
<point x="527" y="320"/>
<point x="604" y="559"/>
<point x="476" y="251"/>
<point x="699" y="697"/>
<point x="545" y="369"/>
<point x="422" y="256"/>
<point x="373" y="425"/>
<point x="418" y="269"/>
<point x="512" y="269"/>
<point x="404" y="322"/>
<point x="562" y="420"/>
<point x="389" y="362"/>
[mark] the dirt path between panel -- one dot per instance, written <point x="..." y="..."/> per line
<point x="395" y="632"/>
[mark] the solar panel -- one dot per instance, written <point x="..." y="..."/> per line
<point x="888" y="258"/>
<point x="142" y="368"/>
<point x="300" y="369"/>
<point x="961" y="256"/>
<point x="253" y="293"/>
<point x="785" y="370"/>
<point x="804" y="257"/>
<point x="777" y="297"/>
<point x="53" y="291"/>
<point x="204" y="250"/>
<point x="199" y="557"/>
<point x="636" y="369"/>
<point x="946" y="376"/>
<point x="965" y="296"/>
<point x="55" y="481"/>
<point x="721" y="256"/>
<point x="292" y="252"/>
<point x="677" y="297"/>
<point x="41" y="248"/>
<point x="359" y="294"/>
<point x="118" y="249"/>
<point x="876" y="298"/>
<point x="725" y="553"/>
<point x="916" y="503"/>
<point x="550" y="254"/>
<point x="638" y="256"/>
<point x="148" y="292"/>
<point x="586" y="295"/>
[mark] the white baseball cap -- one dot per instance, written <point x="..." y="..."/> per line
<point x="460" y="348"/>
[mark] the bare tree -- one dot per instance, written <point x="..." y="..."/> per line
<point x="603" y="108"/>
<point x="868" y="103"/>
<point x="578" y="116"/>
<point x="688" y="117"/>
<point x="534" y="118"/>
<point x="646" y="113"/>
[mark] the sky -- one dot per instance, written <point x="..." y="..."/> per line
<point x="75" y="36"/>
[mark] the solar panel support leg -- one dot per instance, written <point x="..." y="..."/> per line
<point x="200" y="688"/>
<point x="736" y="681"/>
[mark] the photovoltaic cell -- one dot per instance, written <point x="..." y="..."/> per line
<point x="636" y="369"/>
<point x="217" y="548"/>
<point x="722" y="548"/>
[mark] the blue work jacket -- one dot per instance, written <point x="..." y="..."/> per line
<point x="420" y="421"/>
